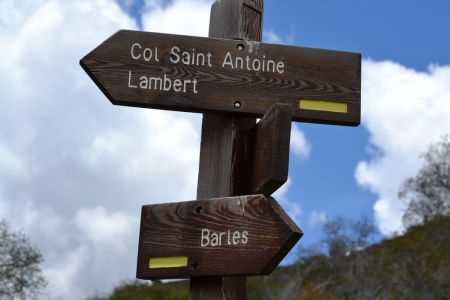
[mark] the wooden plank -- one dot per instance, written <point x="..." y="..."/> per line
<point x="259" y="165"/>
<point x="239" y="12"/>
<point x="196" y="74"/>
<point x="244" y="235"/>
<point x="271" y="161"/>
<point x="219" y="172"/>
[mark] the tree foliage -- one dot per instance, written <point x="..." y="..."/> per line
<point x="344" y="236"/>
<point x="138" y="290"/>
<point x="412" y="266"/>
<point x="20" y="271"/>
<point x="428" y="193"/>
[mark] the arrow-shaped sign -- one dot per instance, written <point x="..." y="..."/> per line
<point x="245" y="235"/>
<point x="197" y="74"/>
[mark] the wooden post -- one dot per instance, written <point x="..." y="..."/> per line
<point x="224" y="153"/>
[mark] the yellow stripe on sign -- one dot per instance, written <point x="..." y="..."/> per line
<point x="168" y="262"/>
<point x="320" y="105"/>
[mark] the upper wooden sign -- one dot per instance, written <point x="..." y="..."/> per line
<point x="198" y="74"/>
<point x="245" y="235"/>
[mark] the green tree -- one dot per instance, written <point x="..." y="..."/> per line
<point x="20" y="266"/>
<point x="342" y="236"/>
<point x="428" y="193"/>
<point x="140" y="290"/>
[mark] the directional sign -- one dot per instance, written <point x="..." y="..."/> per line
<point x="245" y="235"/>
<point x="197" y="74"/>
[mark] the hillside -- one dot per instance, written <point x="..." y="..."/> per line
<point x="413" y="266"/>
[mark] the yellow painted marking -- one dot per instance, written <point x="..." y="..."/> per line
<point x="168" y="262"/>
<point x="321" y="105"/>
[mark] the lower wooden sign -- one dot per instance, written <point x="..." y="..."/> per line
<point x="245" y="235"/>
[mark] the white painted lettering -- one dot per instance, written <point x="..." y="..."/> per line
<point x="214" y="239"/>
<point x="255" y="64"/>
<point x="227" y="61"/>
<point x="147" y="54"/>
<point x="220" y="238"/>
<point x="155" y="80"/>
<point x="186" y="81"/>
<point x="244" y="237"/>
<point x="132" y="51"/>
<point x="143" y="82"/>
<point x="195" y="86"/>
<point x="164" y="83"/>
<point x="209" y="59"/>
<point x="174" y="55"/>
<point x="211" y="238"/>
<point x="129" y="81"/>
<point x="236" y="237"/>
<point x="205" y="238"/>
<point x="247" y="59"/>
<point x="280" y="67"/>
<point x="177" y="85"/>
<point x="156" y="54"/>
<point x="185" y="58"/>
<point x="190" y="58"/>
<point x="167" y="83"/>
<point x="271" y="66"/>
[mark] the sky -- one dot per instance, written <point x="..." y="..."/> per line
<point x="75" y="170"/>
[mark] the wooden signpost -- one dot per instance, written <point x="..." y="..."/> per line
<point x="197" y="74"/>
<point x="231" y="78"/>
<point x="243" y="235"/>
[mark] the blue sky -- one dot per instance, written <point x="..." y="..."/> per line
<point x="75" y="167"/>
<point x="411" y="34"/>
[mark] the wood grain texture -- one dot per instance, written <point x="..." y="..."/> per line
<point x="312" y="74"/>
<point x="255" y="235"/>
<point x="234" y="20"/>
<point x="226" y="154"/>
<point x="211" y="288"/>
<point x="219" y="166"/>
<point x="271" y="160"/>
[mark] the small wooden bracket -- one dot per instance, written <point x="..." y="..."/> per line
<point x="272" y="143"/>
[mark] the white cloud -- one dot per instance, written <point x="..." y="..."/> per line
<point x="188" y="17"/>
<point x="404" y="111"/>
<point x="317" y="218"/>
<point x="63" y="273"/>
<point x="103" y="227"/>
<point x="74" y="169"/>
<point x="270" y="36"/>
<point x="299" y="144"/>
<point x="292" y="208"/>
<point x="13" y="165"/>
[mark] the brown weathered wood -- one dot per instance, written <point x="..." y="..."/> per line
<point x="244" y="235"/>
<point x="239" y="12"/>
<point x="220" y="165"/>
<point x="258" y="166"/>
<point x="271" y="161"/>
<point x="218" y="288"/>
<point x="307" y="73"/>
<point x="226" y="154"/>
